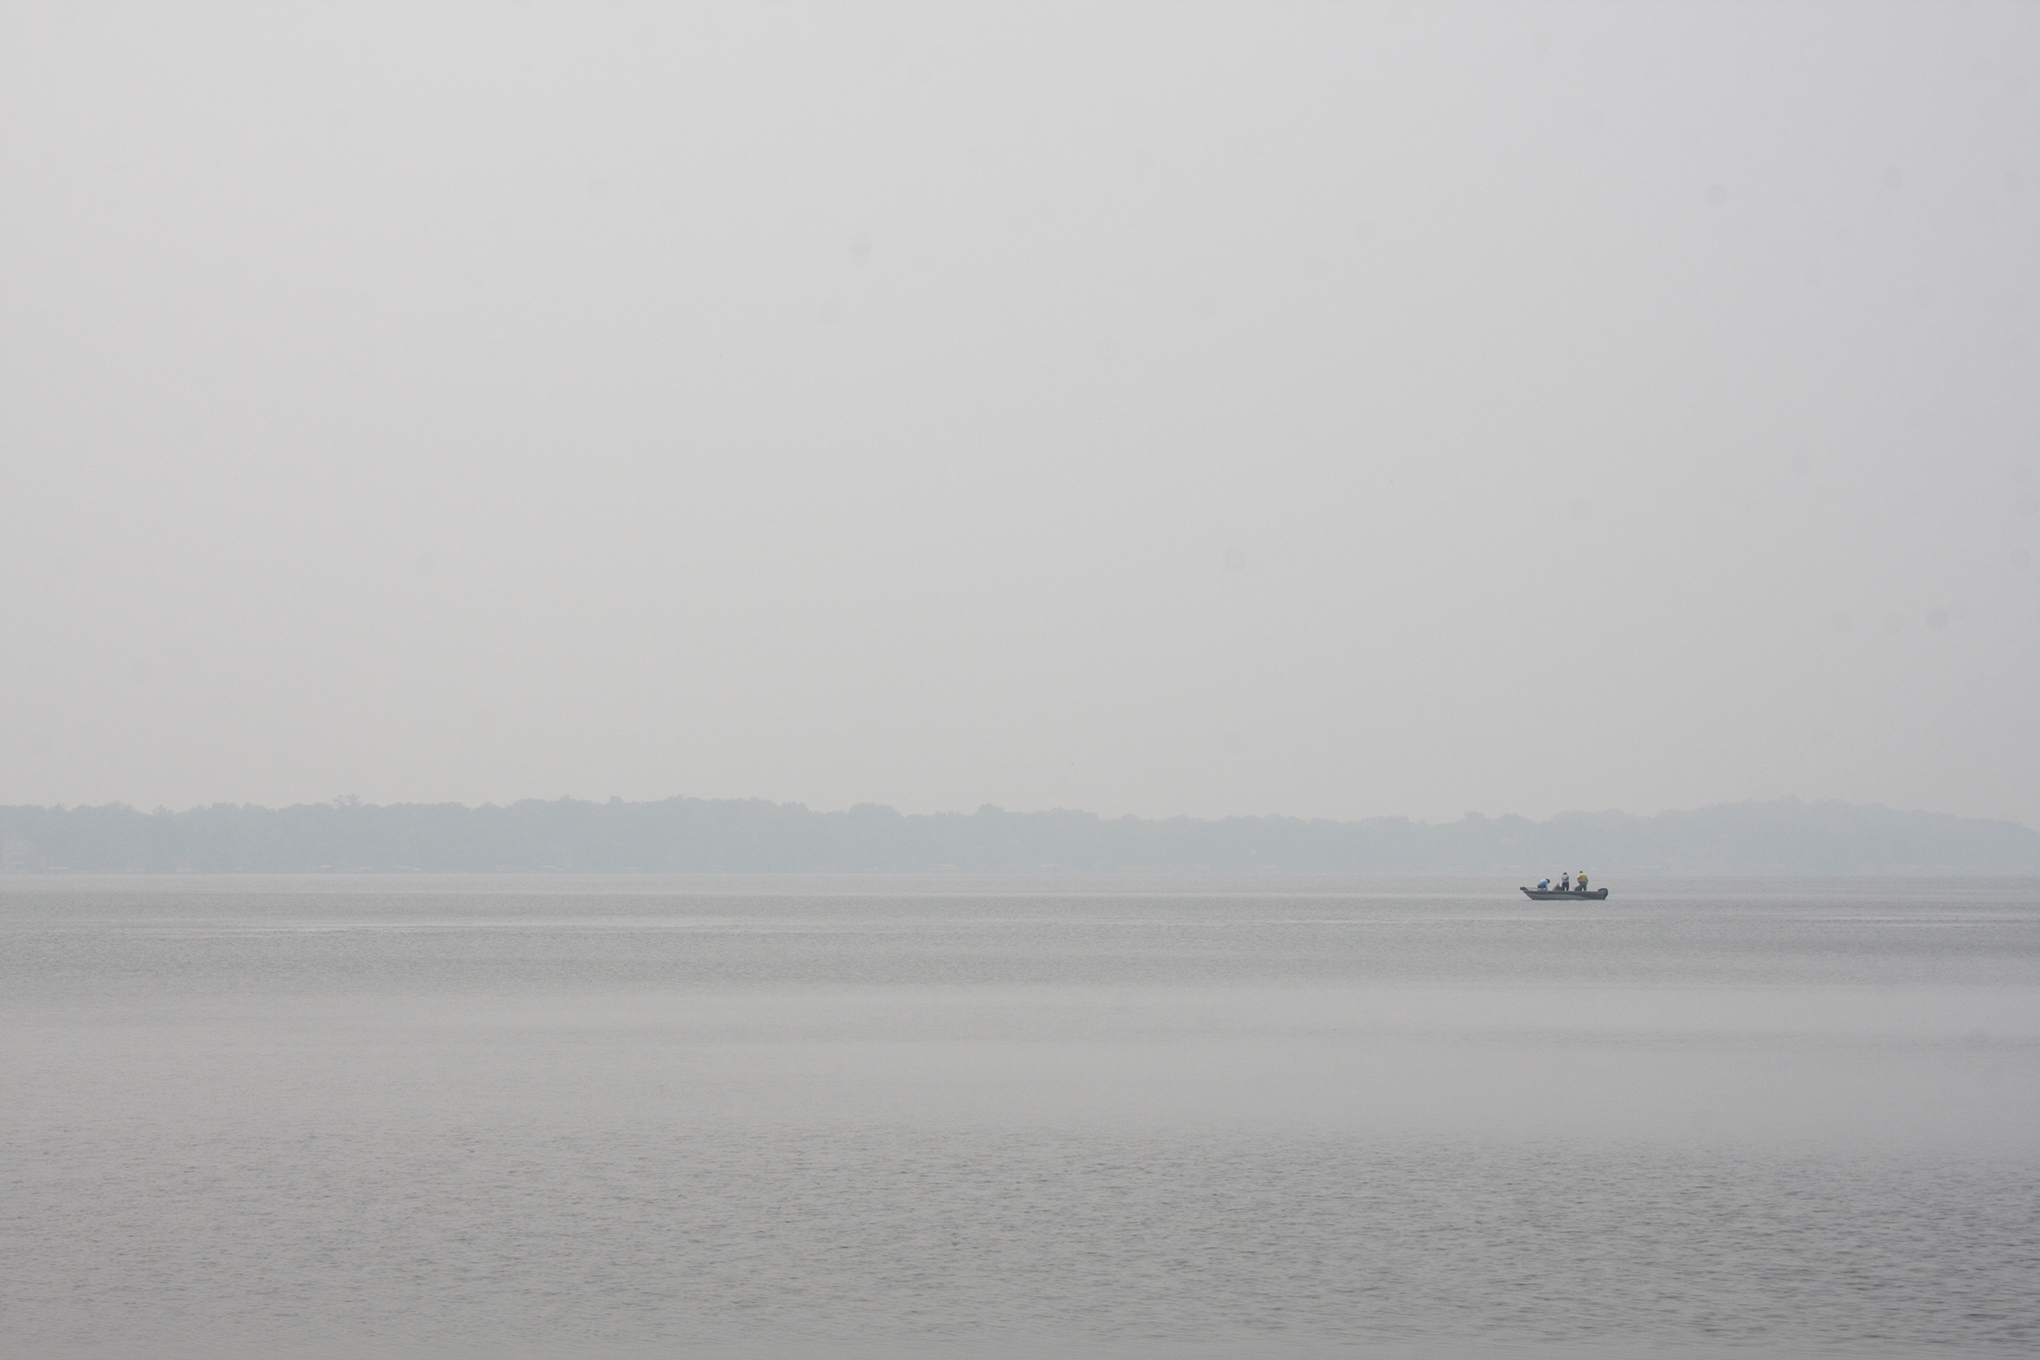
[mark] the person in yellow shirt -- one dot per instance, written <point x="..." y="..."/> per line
<point x="1580" y="885"/>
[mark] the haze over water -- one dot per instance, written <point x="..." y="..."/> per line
<point x="730" y="423"/>
<point x="349" y="1116"/>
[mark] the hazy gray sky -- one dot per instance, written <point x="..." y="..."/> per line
<point x="1333" y="410"/>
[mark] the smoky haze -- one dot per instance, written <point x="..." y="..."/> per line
<point x="1332" y="411"/>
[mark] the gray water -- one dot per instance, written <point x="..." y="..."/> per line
<point x="551" y="1116"/>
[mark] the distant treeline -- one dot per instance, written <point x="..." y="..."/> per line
<point x="695" y="835"/>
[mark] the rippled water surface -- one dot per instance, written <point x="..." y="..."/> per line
<point x="626" y="1117"/>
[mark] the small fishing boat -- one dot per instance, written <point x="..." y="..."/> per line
<point x="1566" y="894"/>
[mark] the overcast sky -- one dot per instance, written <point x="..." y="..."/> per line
<point x="1333" y="410"/>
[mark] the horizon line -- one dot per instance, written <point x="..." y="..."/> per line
<point x="351" y="801"/>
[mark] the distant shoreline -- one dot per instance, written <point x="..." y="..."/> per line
<point x="1780" y="838"/>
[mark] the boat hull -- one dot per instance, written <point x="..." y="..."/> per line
<point x="1554" y="895"/>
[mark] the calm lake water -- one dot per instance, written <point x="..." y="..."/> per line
<point x="992" y="1117"/>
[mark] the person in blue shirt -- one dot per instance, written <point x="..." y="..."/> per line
<point x="1544" y="885"/>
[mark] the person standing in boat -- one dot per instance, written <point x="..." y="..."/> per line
<point x="1565" y="882"/>
<point x="1544" y="885"/>
<point x="1581" y="886"/>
